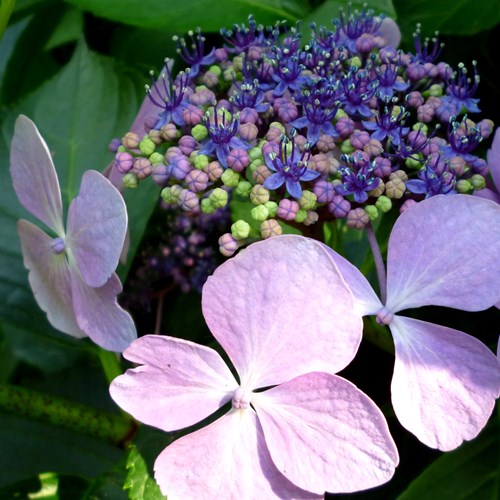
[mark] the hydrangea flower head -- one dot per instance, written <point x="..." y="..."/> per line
<point x="71" y="274"/>
<point x="445" y="382"/>
<point x="282" y="313"/>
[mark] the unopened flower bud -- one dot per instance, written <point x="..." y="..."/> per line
<point x="160" y="174"/>
<point x="199" y="132"/>
<point x="301" y="215"/>
<point x="272" y="208"/>
<point x="339" y="206"/>
<point x="155" y="136"/>
<point x="384" y="204"/>
<point x="207" y="206"/>
<point x="238" y="160"/>
<point x="227" y="245"/>
<point x="311" y="218"/>
<point x="197" y="180"/>
<point x="240" y="230"/>
<point x="308" y="200"/>
<point x="156" y="158"/>
<point x="395" y="188"/>
<point x="357" y="218"/>
<point x="478" y="181"/>
<point x="142" y="168"/>
<point x="199" y="161"/>
<point x="259" y="213"/>
<point x="371" y="211"/>
<point x="219" y="198"/>
<point x="189" y="201"/>
<point x="124" y="162"/>
<point x="168" y="196"/>
<point x="259" y="195"/>
<point x="147" y="146"/>
<point x="214" y="170"/>
<point x="260" y="174"/>
<point x="379" y="190"/>
<point x="169" y="132"/>
<point x="243" y="188"/>
<point x="255" y="154"/>
<point x="270" y="228"/>
<point x="130" y="180"/>
<point x="230" y="178"/>
<point x="131" y="140"/>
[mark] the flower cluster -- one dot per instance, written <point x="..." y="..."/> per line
<point x="344" y="126"/>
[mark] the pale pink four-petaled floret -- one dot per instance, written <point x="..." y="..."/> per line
<point x="284" y="316"/>
<point x="443" y="251"/>
<point x="72" y="275"/>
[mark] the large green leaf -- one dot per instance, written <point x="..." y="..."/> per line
<point x="471" y="472"/>
<point x="140" y="485"/>
<point x="451" y="17"/>
<point x="209" y="15"/>
<point x="78" y="112"/>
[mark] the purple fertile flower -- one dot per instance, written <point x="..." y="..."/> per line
<point x="429" y="51"/>
<point x="222" y="127"/>
<point x="445" y="382"/>
<point x="170" y="96"/>
<point x="260" y="306"/>
<point x="388" y="125"/>
<point x="72" y="275"/>
<point x="249" y="95"/>
<point x="434" y="178"/>
<point x="389" y="82"/>
<point x="241" y="37"/>
<point x="356" y="89"/>
<point x="357" y="177"/>
<point x="319" y="107"/>
<point x="289" y="167"/>
<point x="460" y="90"/>
<point x="196" y="58"/>
<point x="352" y="25"/>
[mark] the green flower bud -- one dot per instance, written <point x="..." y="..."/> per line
<point x="260" y="213"/>
<point x="238" y="63"/>
<point x="477" y="181"/>
<point x="121" y="149"/>
<point x="240" y="229"/>
<point x="207" y="206"/>
<point x="272" y="207"/>
<point x="421" y="126"/>
<point x="255" y="154"/>
<point x="157" y="159"/>
<point x="346" y="147"/>
<point x="308" y="200"/>
<point x="279" y="126"/>
<point x="254" y="165"/>
<point x="199" y="132"/>
<point x="229" y="74"/>
<point x="435" y="90"/>
<point x="463" y="186"/>
<point x="230" y="178"/>
<point x="355" y="61"/>
<point x="199" y="161"/>
<point x="371" y="211"/>
<point x="259" y="195"/>
<point x="413" y="163"/>
<point x="168" y="196"/>
<point x="147" y="146"/>
<point x="301" y="215"/>
<point x="243" y="188"/>
<point x="384" y="204"/>
<point x="218" y="197"/>
<point x="340" y="114"/>
<point x="130" y="180"/>
<point x="215" y="69"/>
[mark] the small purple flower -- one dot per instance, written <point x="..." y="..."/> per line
<point x="387" y="125"/>
<point x="241" y="37"/>
<point x="222" y="130"/>
<point x="169" y="95"/>
<point x="389" y="81"/>
<point x="290" y="168"/>
<point x="427" y="52"/>
<point x="356" y="88"/>
<point x="357" y="177"/>
<point x="434" y="178"/>
<point x="196" y="58"/>
<point x="460" y="90"/>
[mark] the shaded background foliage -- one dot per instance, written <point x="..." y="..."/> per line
<point x="78" y="69"/>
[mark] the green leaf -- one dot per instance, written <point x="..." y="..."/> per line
<point x="460" y="17"/>
<point x="331" y="8"/>
<point x="471" y="472"/>
<point x="209" y="15"/>
<point x="78" y="112"/>
<point x="69" y="29"/>
<point x="140" y="485"/>
<point x="30" y="448"/>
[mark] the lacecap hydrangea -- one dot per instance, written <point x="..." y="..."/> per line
<point x="342" y="126"/>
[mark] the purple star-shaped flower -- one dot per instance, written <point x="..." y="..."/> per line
<point x="281" y="311"/>
<point x="289" y="168"/>
<point x="445" y="382"/>
<point x="72" y="275"/>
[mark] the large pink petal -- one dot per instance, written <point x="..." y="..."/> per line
<point x="280" y="308"/>
<point x="445" y="251"/>
<point x="97" y="223"/>
<point x="324" y="434"/>
<point x="493" y="157"/>
<point x="34" y="176"/>
<point x="227" y="459"/>
<point x="99" y="315"/>
<point x="365" y="299"/>
<point x="179" y="383"/>
<point x="49" y="277"/>
<point x="445" y="382"/>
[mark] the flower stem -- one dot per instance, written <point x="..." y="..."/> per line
<point x="6" y="8"/>
<point x="64" y="413"/>
<point x="379" y="262"/>
<point x="110" y="364"/>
